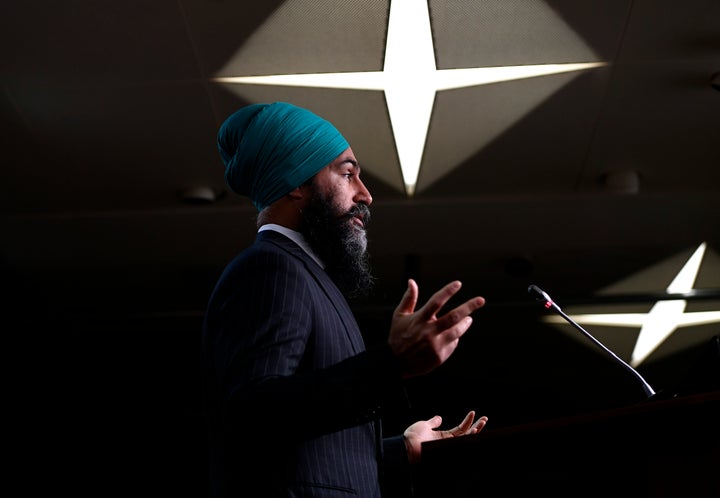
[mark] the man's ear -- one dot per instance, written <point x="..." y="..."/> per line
<point x="297" y="193"/>
<point x="301" y="193"/>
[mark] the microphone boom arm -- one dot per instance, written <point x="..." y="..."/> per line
<point x="543" y="297"/>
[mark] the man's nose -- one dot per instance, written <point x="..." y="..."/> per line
<point x="363" y="194"/>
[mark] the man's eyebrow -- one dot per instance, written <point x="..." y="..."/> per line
<point x="353" y="162"/>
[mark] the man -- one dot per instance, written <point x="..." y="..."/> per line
<point x="294" y="397"/>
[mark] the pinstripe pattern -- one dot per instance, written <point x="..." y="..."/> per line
<point x="297" y="418"/>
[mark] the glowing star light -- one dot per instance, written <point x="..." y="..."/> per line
<point x="663" y="318"/>
<point x="410" y="57"/>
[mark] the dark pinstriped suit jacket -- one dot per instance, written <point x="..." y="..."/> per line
<point x="293" y="395"/>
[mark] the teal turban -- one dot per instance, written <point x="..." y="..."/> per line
<point x="271" y="149"/>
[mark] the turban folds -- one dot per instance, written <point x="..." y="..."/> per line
<point x="271" y="149"/>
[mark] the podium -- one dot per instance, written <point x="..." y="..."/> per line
<point x="657" y="448"/>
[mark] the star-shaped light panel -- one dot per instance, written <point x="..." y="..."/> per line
<point x="410" y="78"/>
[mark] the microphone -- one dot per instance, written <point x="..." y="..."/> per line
<point x="543" y="297"/>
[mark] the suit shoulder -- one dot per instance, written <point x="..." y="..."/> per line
<point x="264" y="252"/>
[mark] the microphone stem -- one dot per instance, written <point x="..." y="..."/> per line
<point x="646" y="387"/>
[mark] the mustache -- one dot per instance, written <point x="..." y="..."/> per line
<point x="359" y="210"/>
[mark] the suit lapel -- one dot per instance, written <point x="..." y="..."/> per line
<point x="328" y="287"/>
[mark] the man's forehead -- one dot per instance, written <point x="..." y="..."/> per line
<point x="347" y="158"/>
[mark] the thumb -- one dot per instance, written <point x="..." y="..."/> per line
<point x="409" y="299"/>
<point x="435" y="422"/>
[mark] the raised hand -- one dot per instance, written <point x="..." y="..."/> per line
<point x="422" y="340"/>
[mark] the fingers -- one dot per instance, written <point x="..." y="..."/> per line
<point x="467" y="426"/>
<point x="457" y="314"/>
<point x="439" y="299"/>
<point x="454" y="333"/>
<point x="478" y="425"/>
<point x="467" y="422"/>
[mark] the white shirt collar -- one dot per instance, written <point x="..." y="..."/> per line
<point x="296" y="237"/>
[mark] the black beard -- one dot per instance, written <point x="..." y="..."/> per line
<point x="340" y="244"/>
